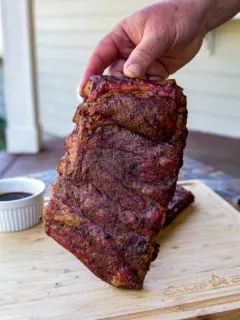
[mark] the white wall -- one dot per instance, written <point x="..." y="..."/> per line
<point x="1" y="36"/>
<point x="212" y="83"/>
<point x="68" y="30"/>
<point x="2" y="109"/>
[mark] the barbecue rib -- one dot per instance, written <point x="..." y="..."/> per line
<point x="182" y="198"/>
<point x="118" y="175"/>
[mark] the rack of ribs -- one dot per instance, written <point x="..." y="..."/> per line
<point x="109" y="202"/>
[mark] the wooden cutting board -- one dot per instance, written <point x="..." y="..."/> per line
<point x="196" y="276"/>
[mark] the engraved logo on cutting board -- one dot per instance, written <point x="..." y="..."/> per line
<point x="215" y="283"/>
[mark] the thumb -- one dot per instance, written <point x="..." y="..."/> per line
<point x="143" y="56"/>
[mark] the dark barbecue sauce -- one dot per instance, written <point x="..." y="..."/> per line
<point x="10" y="196"/>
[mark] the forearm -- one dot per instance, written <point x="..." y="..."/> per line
<point x="217" y="12"/>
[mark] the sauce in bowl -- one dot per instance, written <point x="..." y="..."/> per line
<point x="10" y="196"/>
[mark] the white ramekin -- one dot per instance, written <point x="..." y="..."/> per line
<point x="21" y="214"/>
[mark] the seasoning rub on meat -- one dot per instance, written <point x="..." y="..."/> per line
<point x="118" y="176"/>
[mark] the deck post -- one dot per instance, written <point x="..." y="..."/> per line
<point x="23" y="132"/>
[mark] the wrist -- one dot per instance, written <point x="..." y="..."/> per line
<point x="217" y="12"/>
<point x="196" y="12"/>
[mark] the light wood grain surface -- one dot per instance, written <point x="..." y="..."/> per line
<point x="196" y="276"/>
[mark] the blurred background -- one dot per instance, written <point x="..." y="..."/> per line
<point x="44" y="46"/>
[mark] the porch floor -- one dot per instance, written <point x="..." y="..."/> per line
<point x="222" y="153"/>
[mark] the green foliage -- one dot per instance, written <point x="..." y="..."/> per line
<point x="2" y="124"/>
<point x="2" y="145"/>
<point x="2" y="141"/>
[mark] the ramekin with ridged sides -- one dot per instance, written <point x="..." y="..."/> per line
<point x="24" y="213"/>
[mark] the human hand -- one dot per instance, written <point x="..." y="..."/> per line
<point x="155" y="41"/>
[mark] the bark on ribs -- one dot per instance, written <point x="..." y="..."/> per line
<point x="119" y="173"/>
<point x="182" y="198"/>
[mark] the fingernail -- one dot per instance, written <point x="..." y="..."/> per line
<point x="155" y="78"/>
<point x="133" y="71"/>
